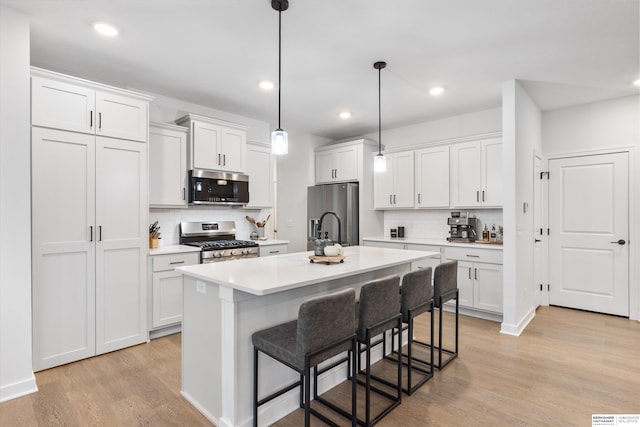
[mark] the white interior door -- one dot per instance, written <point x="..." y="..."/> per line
<point x="588" y="218"/>
<point x="537" y="231"/>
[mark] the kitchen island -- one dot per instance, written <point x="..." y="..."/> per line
<point x="226" y="302"/>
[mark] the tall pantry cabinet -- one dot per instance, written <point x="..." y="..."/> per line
<point x="89" y="218"/>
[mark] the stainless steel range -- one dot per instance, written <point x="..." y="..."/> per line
<point x="217" y="241"/>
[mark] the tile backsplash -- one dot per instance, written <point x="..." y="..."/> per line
<point x="170" y="219"/>
<point x="432" y="224"/>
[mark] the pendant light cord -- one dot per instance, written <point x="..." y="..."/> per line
<point x="279" y="60"/>
<point x="379" y="115"/>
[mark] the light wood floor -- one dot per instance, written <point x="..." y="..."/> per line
<point x="566" y="366"/>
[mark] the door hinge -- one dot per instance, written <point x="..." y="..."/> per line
<point x="542" y="175"/>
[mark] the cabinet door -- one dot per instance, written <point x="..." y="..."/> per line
<point x="122" y="241"/>
<point x="347" y="164"/>
<point x="325" y="167"/>
<point x="260" y="171"/>
<point x="488" y="287"/>
<point x="465" y="174"/>
<point x="232" y="147"/>
<point x="167" y="167"/>
<point x="205" y="139"/>
<point x="62" y="106"/>
<point x="465" y="283"/>
<point x="121" y="117"/>
<point x="383" y="187"/>
<point x="273" y="250"/>
<point x="403" y="180"/>
<point x="63" y="257"/>
<point x="432" y="177"/>
<point x="166" y="289"/>
<point x="492" y="172"/>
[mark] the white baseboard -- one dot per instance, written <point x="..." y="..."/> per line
<point x="169" y="330"/>
<point x="19" y="389"/>
<point x="516" y="330"/>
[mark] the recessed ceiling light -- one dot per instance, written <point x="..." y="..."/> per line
<point x="266" y="85"/>
<point x="637" y="82"/>
<point x="436" y="90"/>
<point x="105" y="29"/>
<point x="345" y="115"/>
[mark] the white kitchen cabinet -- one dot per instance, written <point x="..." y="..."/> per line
<point x="432" y="177"/>
<point x="260" y="171"/>
<point x="89" y="243"/>
<point x="479" y="277"/>
<point x="166" y="287"/>
<point x="215" y="144"/>
<point x="394" y="187"/>
<point x="167" y="165"/>
<point x="270" y="250"/>
<point x="338" y="164"/>
<point x="69" y="103"/>
<point x="428" y="262"/>
<point x="476" y="173"/>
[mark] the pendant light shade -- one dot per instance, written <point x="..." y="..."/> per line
<point x="279" y="138"/>
<point x="380" y="163"/>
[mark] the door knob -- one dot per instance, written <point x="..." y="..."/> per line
<point x="620" y="242"/>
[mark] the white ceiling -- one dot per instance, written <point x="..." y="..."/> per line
<point x="214" y="52"/>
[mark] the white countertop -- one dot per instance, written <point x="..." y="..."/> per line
<point x="267" y="275"/>
<point x="435" y="242"/>
<point x="173" y="249"/>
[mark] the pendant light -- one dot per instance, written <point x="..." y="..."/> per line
<point x="279" y="138"/>
<point x="380" y="163"/>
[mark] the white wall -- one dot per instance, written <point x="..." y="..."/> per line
<point x="521" y="135"/>
<point x="16" y="374"/>
<point x="603" y="126"/>
<point x="295" y="172"/>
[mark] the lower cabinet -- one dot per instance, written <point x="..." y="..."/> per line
<point x="270" y="250"/>
<point x="166" y="287"/>
<point x="479" y="283"/>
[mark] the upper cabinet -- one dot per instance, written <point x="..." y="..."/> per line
<point x="338" y="164"/>
<point x="394" y="187"/>
<point x="260" y="171"/>
<point x="215" y="144"/>
<point x="167" y="165"/>
<point x="432" y="177"/>
<point x="476" y="173"/>
<point x="88" y="107"/>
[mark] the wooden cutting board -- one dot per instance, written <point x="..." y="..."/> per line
<point x="326" y="259"/>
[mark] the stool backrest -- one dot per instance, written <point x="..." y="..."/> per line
<point x="445" y="281"/>
<point x="379" y="301"/>
<point x="417" y="290"/>
<point x="325" y="320"/>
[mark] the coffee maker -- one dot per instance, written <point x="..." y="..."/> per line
<point x="462" y="230"/>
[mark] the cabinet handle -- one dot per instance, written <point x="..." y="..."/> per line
<point x="90" y="118"/>
<point x="478" y="196"/>
<point x="394" y="199"/>
<point x="473" y="256"/>
<point x="469" y="273"/>
<point x="99" y="233"/>
<point x="224" y="160"/>
<point x="274" y="252"/>
<point x="475" y="272"/>
<point x="176" y="262"/>
<point x="100" y="120"/>
<point x="91" y="233"/>
<point x="483" y="195"/>
<point x="390" y="199"/>
<point x="218" y="159"/>
<point x="184" y="193"/>
<point x="418" y="197"/>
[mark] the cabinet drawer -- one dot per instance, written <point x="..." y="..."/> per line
<point x="490" y="256"/>
<point x="273" y="250"/>
<point x="169" y="262"/>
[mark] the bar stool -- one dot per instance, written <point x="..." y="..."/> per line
<point x="445" y="288"/>
<point x="416" y="298"/>
<point x="325" y="327"/>
<point x="378" y="311"/>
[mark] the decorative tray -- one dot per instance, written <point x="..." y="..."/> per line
<point x="482" y="242"/>
<point x="326" y="259"/>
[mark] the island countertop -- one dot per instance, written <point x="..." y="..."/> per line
<point x="267" y="275"/>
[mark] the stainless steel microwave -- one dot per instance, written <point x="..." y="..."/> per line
<point x="218" y="188"/>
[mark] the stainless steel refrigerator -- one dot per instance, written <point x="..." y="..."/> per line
<point x="342" y="200"/>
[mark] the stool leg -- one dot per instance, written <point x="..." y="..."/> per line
<point x="432" y="342"/>
<point x="400" y="356"/>
<point x="307" y="395"/>
<point x="440" y="336"/>
<point x="457" y="314"/>
<point x="255" y="387"/>
<point x="354" y="386"/>
<point x="409" y="354"/>
<point x="368" y="382"/>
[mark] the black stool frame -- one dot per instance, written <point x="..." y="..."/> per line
<point x="452" y="354"/>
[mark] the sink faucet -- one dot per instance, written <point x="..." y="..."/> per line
<point x="339" y="225"/>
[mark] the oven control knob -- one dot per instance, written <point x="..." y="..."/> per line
<point x="217" y="254"/>
<point x="245" y="252"/>
<point x="235" y="252"/>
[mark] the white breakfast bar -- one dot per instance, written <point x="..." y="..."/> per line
<point x="226" y="302"/>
